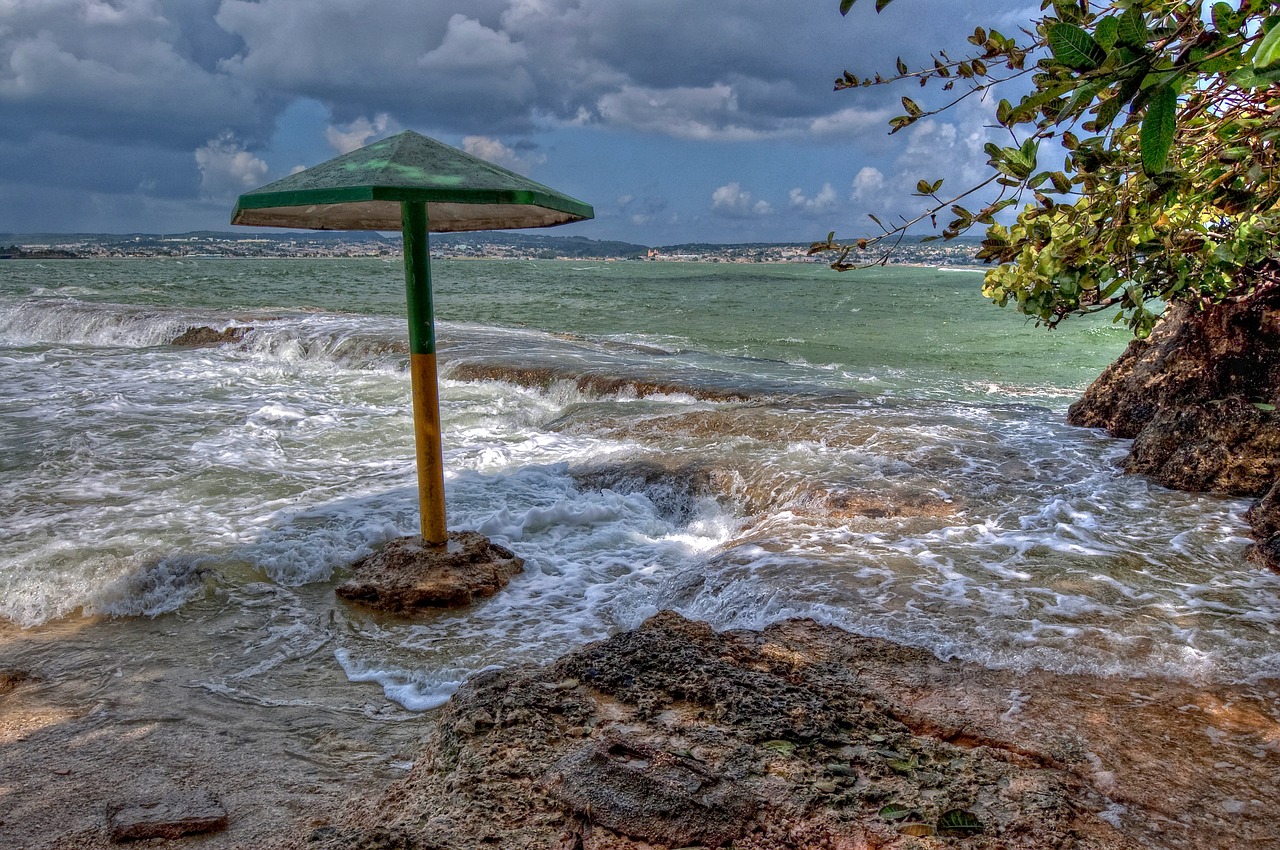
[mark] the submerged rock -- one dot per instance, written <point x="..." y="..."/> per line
<point x="408" y="575"/>
<point x="171" y="816"/>
<point x="202" y="335"/>
<point x="674" y="735"/>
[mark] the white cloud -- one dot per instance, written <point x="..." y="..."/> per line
<point x="825" y="202"/>
<point x="345" y="138"/>
<point x="469" y="44"/>
<point x="644" y="211"/>
<point x="869" y="184"/>
<point x="492" y="150"/>
<point x="227" y="169"/>
<point x="704" y="113"/>
<point x="733" y="201"/>
<point x="847" y="123"/>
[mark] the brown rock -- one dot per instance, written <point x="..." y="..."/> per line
<point x="201" y="335"/>
<point x="407" y="575"/>
<point x="171" y="816"/>
<point x="759" y="741"/>
<point x="1228" y="447"/>
<point x="1226" y="351"/>
<point x="1264" y="516"/>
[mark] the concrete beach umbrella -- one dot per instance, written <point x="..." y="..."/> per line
<point x="412" y="184"/>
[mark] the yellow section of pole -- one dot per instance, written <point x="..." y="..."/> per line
<point x="426" y="432"/>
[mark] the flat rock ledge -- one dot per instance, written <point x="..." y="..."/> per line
<point x="676" y="736"/>
<point x="171" y="816"/>
<point x="408" y="575"/>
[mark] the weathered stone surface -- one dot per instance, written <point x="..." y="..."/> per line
<point x="407" y="575"/>
<point x="627" y="785"/>
<point x="674" y="735"/>
<point x="1229" y="447"/>
<point x="11" y="678"/>
<point x="171" y="816"/>
<point x="202" y="335"/>
<point x="1198" y="399"/>
<point x="1226" y="351"/>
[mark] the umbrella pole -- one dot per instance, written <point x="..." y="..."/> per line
<point x="422" y="373"/>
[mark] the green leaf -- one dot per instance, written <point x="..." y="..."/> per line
<point x="1223" y="17"/>
<point x="895" y="812"/>
<point x="846" y="5"/>
<point x="1248" y="78"/>
<point x="959" y="822"/>
<point x="1067" y="10"/>
<point x="1082" y="97"/>
<point x="1107" y="31"/>
<point x="1263" y="406"/>
<point x="784" y="748"/>
<point x="1158" y="125"/>
<point x="1268" y="54"/>
<point x="1133" y="30"/>
<point x="1074" y="47"/>
<point x="1107" y="112"/>
<point x="904" y="766"/>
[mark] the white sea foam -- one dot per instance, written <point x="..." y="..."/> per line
<point x="139" y="476"/>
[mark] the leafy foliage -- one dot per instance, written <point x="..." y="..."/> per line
<point x="1169" y="116"/>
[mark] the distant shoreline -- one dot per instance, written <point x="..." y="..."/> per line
<point x="466" y="258"/>
<point x="456" y="246"/>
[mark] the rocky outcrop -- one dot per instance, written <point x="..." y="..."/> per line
<point x="408" y="575"/>
<point x="1199" y="399"/>
<point x="674" y="735"/>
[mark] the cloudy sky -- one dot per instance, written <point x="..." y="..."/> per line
<point x="678" y="121"/>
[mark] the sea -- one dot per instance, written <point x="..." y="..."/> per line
<point x="883" y="451"/>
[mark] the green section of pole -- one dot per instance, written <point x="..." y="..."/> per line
<point x="417" y="278"/>
<point x="422" y="374"/>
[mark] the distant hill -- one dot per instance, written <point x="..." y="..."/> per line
<point x="564" y="246"/>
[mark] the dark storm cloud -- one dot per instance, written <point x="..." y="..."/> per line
<point x="507" y="65"/>
<point x="182" y="97"/>
<point x="94" y="70"/>
<point x="180" y="72"/>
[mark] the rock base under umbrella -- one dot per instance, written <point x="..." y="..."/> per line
<point x="407" y="575"/>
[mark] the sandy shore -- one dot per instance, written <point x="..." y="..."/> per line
<point x="95" y="713"/>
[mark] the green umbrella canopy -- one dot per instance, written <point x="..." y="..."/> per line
<point x="363" y="190"/>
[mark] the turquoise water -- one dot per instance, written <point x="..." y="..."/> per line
<point x="884" y="451"/>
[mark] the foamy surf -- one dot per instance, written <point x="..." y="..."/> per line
<point x="914" y="485"/>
